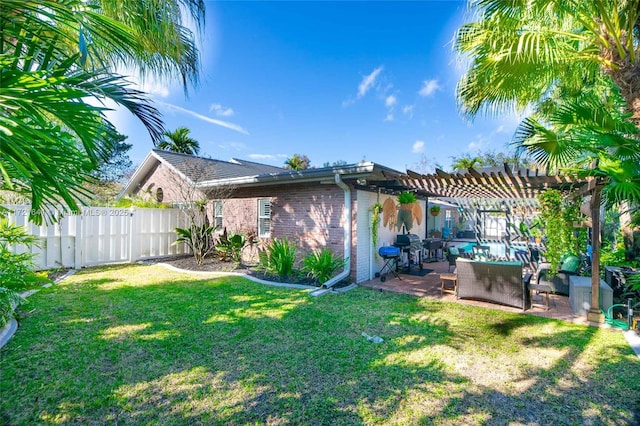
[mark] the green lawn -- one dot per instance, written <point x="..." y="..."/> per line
<point x="142" y="345"/>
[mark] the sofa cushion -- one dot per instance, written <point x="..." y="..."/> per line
<point x="570" y="264"/>
<point x="454" y="250"/>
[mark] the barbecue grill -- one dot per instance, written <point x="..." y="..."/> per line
<point x="410" y="243"/>
<point x="390" y="255"/>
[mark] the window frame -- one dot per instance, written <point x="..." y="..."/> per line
<point x="218" y="217"/>
<point x="264" y="217"/>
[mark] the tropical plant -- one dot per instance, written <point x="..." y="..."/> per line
<point x="407" y="197"/>
<point x="229" y="247"/>
<point x="434" y="210"/>
<point x="16" y="266"/>
<point x="465" y="162"/>
<point x="297" y="162"/>
<point x="558" y="215"/>
<point x="179" y="141"/>
<point x="519" y="50"/>
<point x="544" y="54"/>
<point x="57" y="69"/>
<point x="278" y="257"/>
<point x="9" y="302"/>
<point x="585" y="132"/>
<point x="199" y="239"/>
<point x="375" y="224"/>
<point x="322" y="265"/>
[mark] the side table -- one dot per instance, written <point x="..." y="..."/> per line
<point x="446" y="278"/>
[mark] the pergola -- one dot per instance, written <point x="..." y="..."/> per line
<point x="499" y="185"/>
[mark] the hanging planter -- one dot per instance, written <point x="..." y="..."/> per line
<point x="434" y="210"/>
<point x="405" y="211"/>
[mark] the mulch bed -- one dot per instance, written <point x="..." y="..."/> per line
<point x="214" y="264"/>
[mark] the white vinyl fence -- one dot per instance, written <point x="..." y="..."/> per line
<point x="98" y="235"/>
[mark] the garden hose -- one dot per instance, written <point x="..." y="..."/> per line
<point x="623" y="325"/>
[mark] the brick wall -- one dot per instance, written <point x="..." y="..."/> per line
<point x="309" y="214"/>
<point x="173" y="187"/>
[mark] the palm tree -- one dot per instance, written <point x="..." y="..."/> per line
<point x="57" y="54"/>
<point x="464" y="163"/>
<point x="520" y="49"/>
<point x="586" y="133"/>
<point x="297" y="162"/>
<point x="179" y="141"/>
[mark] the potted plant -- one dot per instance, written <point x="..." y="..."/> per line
<point x="405" y="210"/>
<point x="434" y="210"/>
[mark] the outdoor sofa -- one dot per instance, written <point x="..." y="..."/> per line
<point x="497" y="282"/>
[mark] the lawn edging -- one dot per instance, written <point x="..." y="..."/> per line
<point x="10" y="328"/>
<point x="7" y="331"/>
<point x="238" y="274"/>
<point x="634" y="340"/>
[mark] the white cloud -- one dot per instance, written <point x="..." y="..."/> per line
<point x="429" y="87"/>
<point x="204" y="118"/>
<point x="221" y="111"/>
<point x="389" y="117"/>
<point x="368" y="81"/>
<point x="390" y="101"/>
<point x="418" y="147"/>
<point x="408" y="110"/>
<point x="499" y="129"/>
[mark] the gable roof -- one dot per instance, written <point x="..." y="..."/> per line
<point x="196" y="169"/>
<point x="199" y="169"/>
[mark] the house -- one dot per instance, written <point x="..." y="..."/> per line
<point x="315" y="208"/>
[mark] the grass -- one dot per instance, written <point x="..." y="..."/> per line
<point x="142" y="345"/>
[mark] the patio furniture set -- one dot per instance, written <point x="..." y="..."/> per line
<point x="506" y="283"/>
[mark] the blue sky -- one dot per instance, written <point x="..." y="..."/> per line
<point x="347" y="80"/>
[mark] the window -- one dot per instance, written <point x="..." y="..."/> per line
<point x="264" y="218"/>
<point x="159" y="195"/>
<point x="217" y="214"/>
<point x="448" y="219"/>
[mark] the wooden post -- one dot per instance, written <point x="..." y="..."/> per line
<point x="594" y="314"/>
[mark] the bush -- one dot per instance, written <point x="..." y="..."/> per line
<point x="278" y="258"/>
<point x="322" y="266"/>
<point x="229" y="247"/>
<point x="16" y="269"/>
<point x="9" y="301"/>
<point x="198" y="238"/>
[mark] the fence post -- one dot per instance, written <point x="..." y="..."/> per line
<point x="134" y="244"/>
<point x="79" y="238"/>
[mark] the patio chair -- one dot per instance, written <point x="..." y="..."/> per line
<point x="452" y="254"/>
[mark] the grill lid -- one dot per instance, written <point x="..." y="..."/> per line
<point x="408" y="240"/>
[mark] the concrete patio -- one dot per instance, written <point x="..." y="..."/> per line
<point x="430" y="286"/>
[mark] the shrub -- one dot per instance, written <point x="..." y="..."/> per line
<point x="198" y="238"/>
<point x="278" y="257"/>
<point x="16" y="269"/>
<point x="321" y="266"/>
<point x="229" y="247"/>
<point x="9" y="301"/>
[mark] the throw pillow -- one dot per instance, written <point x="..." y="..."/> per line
<point x="570" y="264"/>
